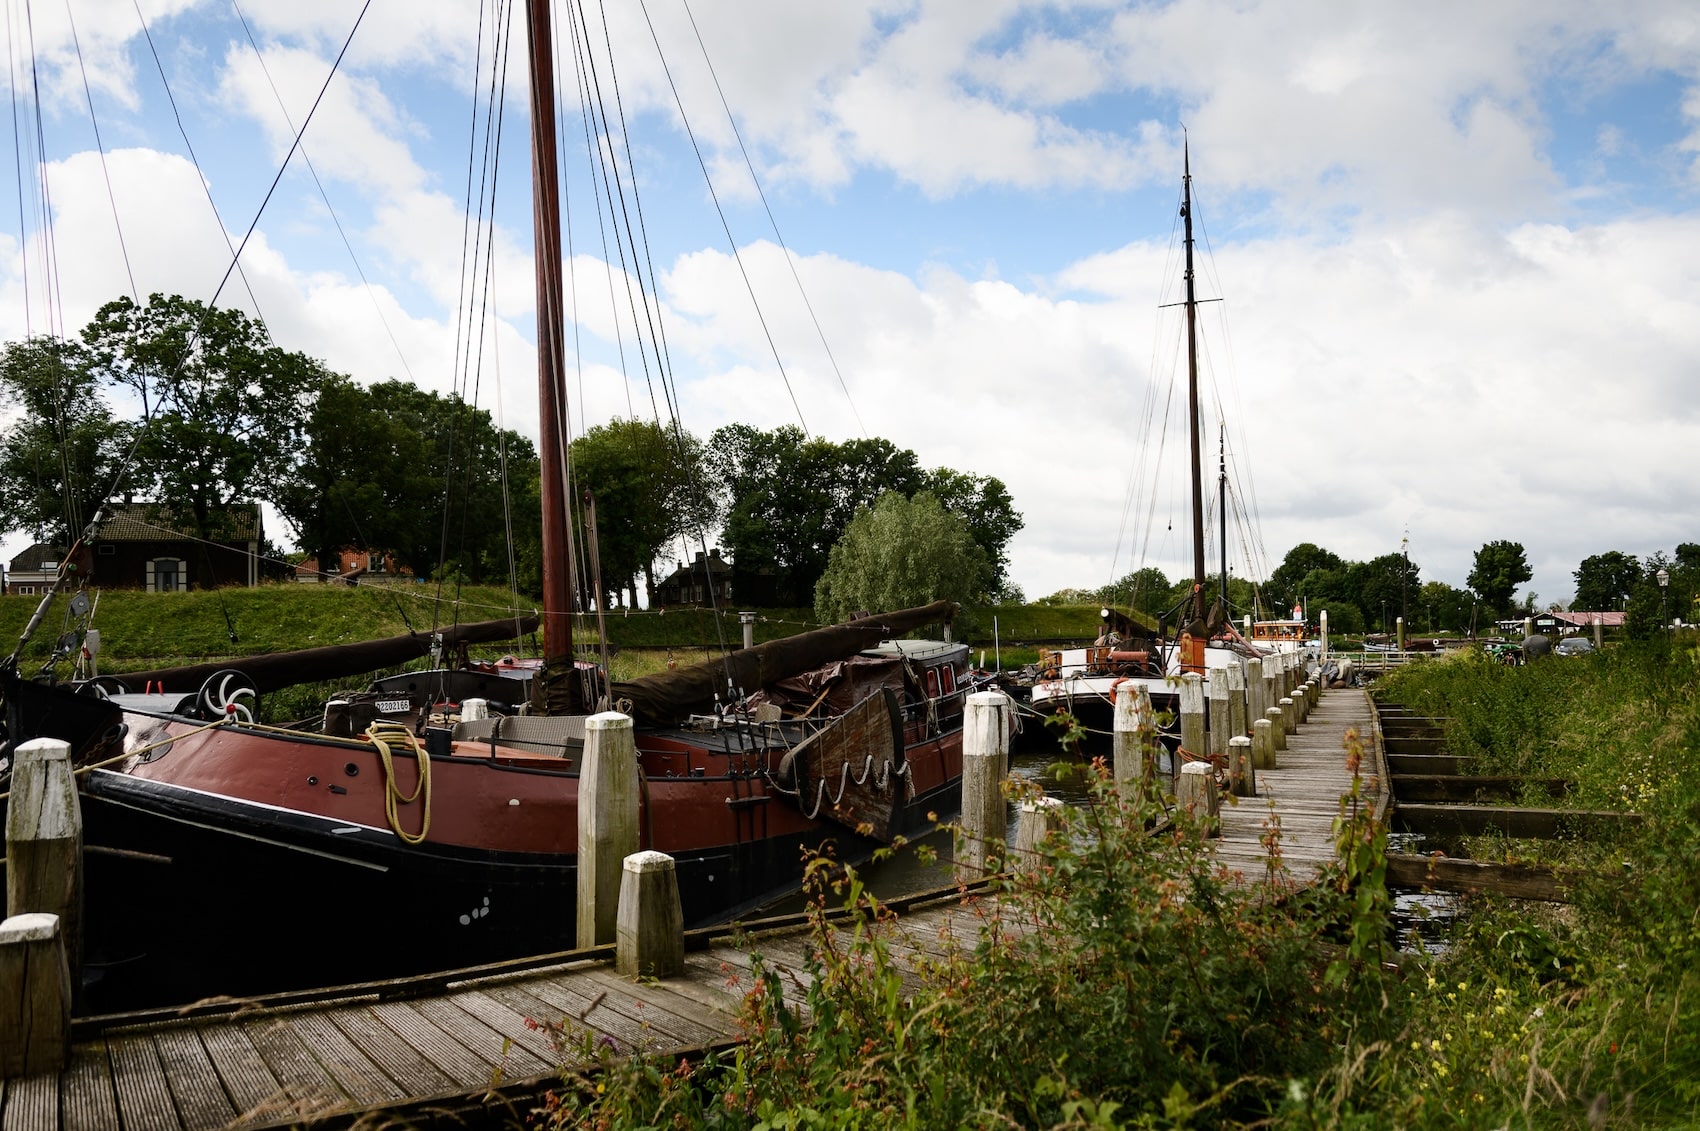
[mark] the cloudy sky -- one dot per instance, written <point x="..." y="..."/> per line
<point x="1457" y="245"/>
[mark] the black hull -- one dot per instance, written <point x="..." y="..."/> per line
<point x="241" y="899"/>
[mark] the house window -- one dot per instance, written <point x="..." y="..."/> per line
<point x="167" y="575"/>
<point x="106" y="549"/>
<point x="26" y="590"/>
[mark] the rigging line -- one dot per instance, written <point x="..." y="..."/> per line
<point x="725" y="226"/>
<point x="49" y="245"/>
<point x="323" y="195"/>
<point x="236" y="256"/>
<point x="483" y="226"/>
<point x="471" y="149"/>
<point x="657" y="329"/>
<point x="595" y="164"/>
<point x="18" y="166"/>
<point x="749" y="164"/>
<point x="206" y="184"/>
<point x="605" y="162"/>
<point x="100" y="148"/>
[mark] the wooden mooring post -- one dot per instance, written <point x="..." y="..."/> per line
<point x="1134" y="753"/>
<point x="1037" y="819"/>
<point x="1237" y="719"/>
<point x="1255" y="704"/>
<point x="41" y="936"/>
<point x="1220" y="730"/>
<point x="1192" y="714"/>
<point x="985" y="764"/>
<point x="649" y="938"/>
<point x="607" y="823"/>
<point x="1195" y="792"/>
<point x="1242" y="770"/>
<point x="1262" y="745"/>
<point x="1277" y="729"/>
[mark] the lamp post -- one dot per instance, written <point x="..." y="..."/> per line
<point x="1663" y="577"/>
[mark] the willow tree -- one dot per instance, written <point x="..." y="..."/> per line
<point x="900" y="553"/>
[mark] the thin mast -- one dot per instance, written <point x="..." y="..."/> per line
<point x="551" y="346"/>
<point x="1222" y="505"/>
<point x="1192" y="397"/>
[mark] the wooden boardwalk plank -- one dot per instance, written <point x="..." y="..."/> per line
<point x="580" y="1005"/>
<point x="253" y="1090"/>
<point x="400" y="1061"/>
<point x="510" y="1023"/>
<point x="32" y="1103"/>
<point x="296" y="1070"/>
<point x="461" y="1066"/>
<point x="195" y="1087"/>
<point x="626" y="996"/>
<point x="144" y="1097"/>
<point x="352" y="1069"/>
<point x="86" y="1099"/>
<point x="481" y="1040"/>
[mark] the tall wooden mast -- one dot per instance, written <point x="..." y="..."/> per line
<point x="1198" y="608"/>
<point x="551" y="346"/>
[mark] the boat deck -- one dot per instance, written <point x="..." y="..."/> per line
<point x="483" y="1044"/>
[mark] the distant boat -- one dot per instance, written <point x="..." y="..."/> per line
<point x="1087" y="681"/>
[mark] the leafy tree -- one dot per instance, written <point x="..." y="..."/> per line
<point x="648" y="489"/>
<point x="393" y="467"/>
<point x="1343" y="616"/>
<point x="1603" y="580"/>
<point x="1287" y="583"/>
<point x="1072" y="595"/>
<point x="1446" y="609"/>
<point x="985" y="505"/>
<point x="1381" y="585"/>
<point x="62" y="449"/>
<point x="224" y="411"/>
<point x="1500" y="567"/>
<point x="786" y="499"/>
<point x="1145" y="590"/>
<point x="898" y="554"/>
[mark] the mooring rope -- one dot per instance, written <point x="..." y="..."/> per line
<point x="381" y="735"/>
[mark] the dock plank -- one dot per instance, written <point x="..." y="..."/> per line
<point x="461" y="1066"/>
<point x="32" y="1103"/>
<point x="254" y="1092"/>
<point x="297" y="1071"/>
<point x="353" y="1071"/>
<point x="482" y="1041"/>
<point x="627" y="997"/>
<point x="144" y="1097"/>
<point x="400" y="1061"/>
<point x="194" y="1085"/>
<point x="86" y="1099"/>
<point x="509" y="1023"/>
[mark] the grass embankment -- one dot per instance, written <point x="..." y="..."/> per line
<point x="1151" y="992"/>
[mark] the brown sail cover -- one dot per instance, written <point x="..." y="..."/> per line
<point x="286" y="669"/>
<point x="669" y="697"/>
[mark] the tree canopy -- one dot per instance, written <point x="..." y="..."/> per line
<point x="1500" y="567"/>
<point x="649" y="491"/>
<point x="900" y="553"/>
<point x="786" y="499"/>
<point x="1286" y="584"/>
<point x="1604" y="580"/>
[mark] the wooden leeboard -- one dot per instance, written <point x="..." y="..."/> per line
<point x="852" y="769"/>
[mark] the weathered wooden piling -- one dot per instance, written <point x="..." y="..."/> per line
<point x="1399" y="632"/>
<point x="1322" y="634"/>
<point x="1217" y="690"/>
<point x="1036" y="820"/>
<point x="1134" y="753"/>
<point x="649" y="937"/>
<point x="1237" y="717"/>
<point x="985" y="763"/>
<point x="1289" y="714"/>
<point x="1254" y="685"/>
<point x="44" y="842"/>
<point x="607" y="822"/>
<point x="1195" y="792"/>
<point x="1277" y="728"/>
<point x="1301" y="704"/>
<point x="1192" y="713"/>
<point x="1262" y="745"/>
<point x="35" y="995"/>
<point x="1242" y="771"/>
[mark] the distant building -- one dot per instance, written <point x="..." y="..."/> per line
<point x="707" y="580"/>
<point x="32" y="571"/>
<point x="145" y="546"/>
<point x="351" y="566"/>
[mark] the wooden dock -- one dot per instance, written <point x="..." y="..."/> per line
<point x="479" y="1047"/>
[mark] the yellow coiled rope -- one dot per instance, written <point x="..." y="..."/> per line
<point x="381" y="735"/>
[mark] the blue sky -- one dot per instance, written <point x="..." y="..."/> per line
<point x="1456" y="243"/>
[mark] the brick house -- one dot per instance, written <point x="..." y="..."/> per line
<point x="142" y="546"/>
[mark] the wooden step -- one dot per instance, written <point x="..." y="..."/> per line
<point x="1423" y="764"/>
<point x="1415" y="788"/>
<point x="1534" y="824"/>
<point x="1402" y="745"/>
<point x="1517" y="881"/>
